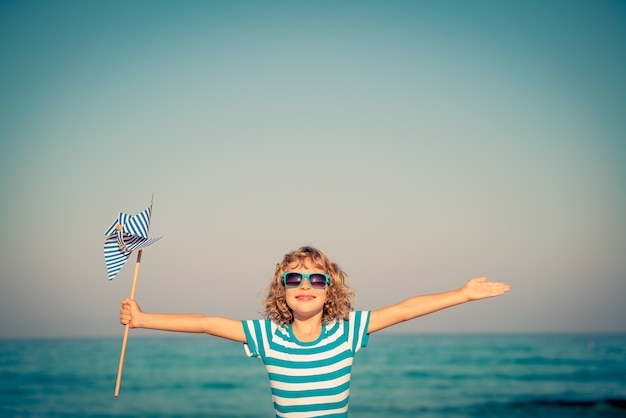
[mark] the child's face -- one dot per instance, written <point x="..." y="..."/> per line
<point x="305" y="301"/>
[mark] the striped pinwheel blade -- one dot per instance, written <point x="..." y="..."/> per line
<point x="128" y="233"/>
<point x="133" y="225"/>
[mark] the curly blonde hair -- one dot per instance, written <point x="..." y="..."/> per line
<point x="339" y="295"/>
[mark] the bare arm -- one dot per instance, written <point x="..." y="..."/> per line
<point x="478" y="288"/>
<point x="196" y="323"/>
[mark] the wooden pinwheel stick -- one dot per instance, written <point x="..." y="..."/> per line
<point x="127" y="328"/>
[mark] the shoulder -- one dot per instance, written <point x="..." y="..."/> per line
<point x="358" y="315"/>
<point x="356" y="321"/>
<point x="259" y="326"/>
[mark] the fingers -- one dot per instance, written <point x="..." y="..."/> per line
<point x="130" y="304"/>
<point x="497" y="289"/>
<point x="493" y="285"/>
<point x="125" y="311"/>
<point x="500" y="288"/>
<point x="480" y="288"/>
<point x="125" y="316"/>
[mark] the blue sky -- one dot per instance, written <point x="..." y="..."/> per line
<point x="418" y="143"/>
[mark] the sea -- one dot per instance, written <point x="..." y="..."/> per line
<point x="397" y="375"/>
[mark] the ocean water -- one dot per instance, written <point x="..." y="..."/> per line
<point x="412" y="375"/>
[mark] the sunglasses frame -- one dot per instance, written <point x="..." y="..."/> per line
<point x="304" y="276"/>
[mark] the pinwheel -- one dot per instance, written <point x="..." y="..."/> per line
<point x="127" y="234"/>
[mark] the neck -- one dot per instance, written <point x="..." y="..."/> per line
<point x="307" y="330"/>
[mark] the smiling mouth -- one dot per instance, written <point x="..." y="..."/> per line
<point x="305" y="297"/>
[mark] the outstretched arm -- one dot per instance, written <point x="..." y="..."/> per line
<point x="478" y="288"/>
<point x="196" y="323"/>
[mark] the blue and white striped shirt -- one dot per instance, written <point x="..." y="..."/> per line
<point x="309" y="379"/>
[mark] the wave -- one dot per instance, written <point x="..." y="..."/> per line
<point x="555" y="407"/>
<point x="531" y="408"/>
<point x="613" y="402"/>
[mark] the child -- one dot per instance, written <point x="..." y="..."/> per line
<point x="311" y="333"/>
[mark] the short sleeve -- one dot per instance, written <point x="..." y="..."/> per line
<point x="358" y="324"/>
<point x="254" y="337"/>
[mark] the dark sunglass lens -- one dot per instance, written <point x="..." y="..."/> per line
<point x="317" y="280"/>
<point x="293" y="279"/>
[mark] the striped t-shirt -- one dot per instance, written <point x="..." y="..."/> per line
<point x="309" y="379"/>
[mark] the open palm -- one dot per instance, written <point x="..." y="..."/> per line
<point x="480" y="288"/>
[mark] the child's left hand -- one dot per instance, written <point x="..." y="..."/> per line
<point x="480" y="288"/>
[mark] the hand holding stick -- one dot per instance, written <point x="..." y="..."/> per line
<point x="126" y="329"/>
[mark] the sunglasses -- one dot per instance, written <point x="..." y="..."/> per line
<point x="316" y="280"/>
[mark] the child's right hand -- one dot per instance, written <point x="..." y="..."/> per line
<point x="129" y="313"/>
